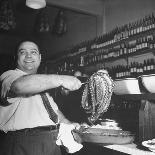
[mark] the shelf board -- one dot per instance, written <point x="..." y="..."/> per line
<point x="144" y="96"/>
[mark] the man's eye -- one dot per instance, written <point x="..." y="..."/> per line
<point x="34" y="52"/>
<point x="22" y="52"/>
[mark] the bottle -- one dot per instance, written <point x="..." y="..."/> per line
<point x="140" y="26"/>
<point x="121" y="51"/>
<point x="116" y="72"/>
<point x="153" y="21"/>
<point x="153" y="41"/>
<point x="129" y="29"/>
<point x="143" y="25"/>
<point x="125" y="32"/>
<point x="132" y="29"/>
<point x="135" y="65"/>
<point x="131" y="69"/>
<point x="125" y="49"/>
<point x="148" y="66"/>
<point x="152" y="65"/>
<point x="140" y="43"/>
<point x="135" y="28"/>
<point x="137" y="44"/>
<point x="145" y="67"/>
<point x="147" y="20"/>
<point x="150" y="42"/>
<point x="141" y="69"/>
<point x="129" y="48"/>
<point x="144" y="43"/>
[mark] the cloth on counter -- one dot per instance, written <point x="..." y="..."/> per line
<point x="66" y="138"/>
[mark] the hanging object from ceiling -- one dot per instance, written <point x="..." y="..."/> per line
<point x="60" y="25"/>
<point x="42" y="24"/>
<point x="36" y="4"/>
<point x="7" y="19"/>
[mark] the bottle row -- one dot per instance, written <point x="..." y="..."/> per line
<point x="97" y="52"/>
<point x="99" y="43"/>
<point x="139" y="45"/>
<point x="125" y="105"/>
<point x="135" y="69"/>
<point x="125" y="31"/>
<point x="117" y="34"/>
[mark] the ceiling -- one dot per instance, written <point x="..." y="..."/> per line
<point x="94" y="7"/>
<point x="24" y="14"/>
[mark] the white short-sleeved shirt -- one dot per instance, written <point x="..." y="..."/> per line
<point x="23" y="112"/>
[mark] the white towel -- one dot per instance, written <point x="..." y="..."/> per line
<point x="66" y="138"/>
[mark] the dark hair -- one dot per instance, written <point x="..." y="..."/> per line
<point x="22" y="41"/>
<point x="29" y="40"/>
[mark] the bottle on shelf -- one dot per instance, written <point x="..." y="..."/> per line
<point x="152" y="21"/>
<point x="152" y="66"/>
<point x="148" y="66"/>
<point x="145" y="67"/>
<point x="133" y="69"/>
<point x="139" y="69"/>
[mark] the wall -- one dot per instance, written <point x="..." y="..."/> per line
<point x="80" y="27"/>
<point x="121" y="12"/>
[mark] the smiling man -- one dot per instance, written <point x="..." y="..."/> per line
<point x="24" y="121"/>
<point x="29" y="57"/>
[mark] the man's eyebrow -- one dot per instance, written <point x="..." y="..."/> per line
<point x="22" y="49"/>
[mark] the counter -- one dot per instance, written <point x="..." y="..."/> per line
<point x="129" y="149"/>
<point x="113" y="149"/>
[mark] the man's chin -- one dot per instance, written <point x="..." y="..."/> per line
<point x="30" y="70"/>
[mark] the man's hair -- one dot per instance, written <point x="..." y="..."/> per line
<point x="19" y="43"/>
<point x="27" y="40"/>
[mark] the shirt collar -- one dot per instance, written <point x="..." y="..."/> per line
<point x="21" y="71"/>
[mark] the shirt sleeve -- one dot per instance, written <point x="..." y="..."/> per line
<point x="6" y="79"/>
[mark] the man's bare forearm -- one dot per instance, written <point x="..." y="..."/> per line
<point x="32" y="84"/>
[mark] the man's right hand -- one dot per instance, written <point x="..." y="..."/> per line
<point x="71" y="83"/>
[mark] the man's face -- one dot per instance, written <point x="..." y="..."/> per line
<point x="29" y="57"/>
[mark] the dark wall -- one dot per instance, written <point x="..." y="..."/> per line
<point x="80" y="27"/>
<point x="122" y="12"/>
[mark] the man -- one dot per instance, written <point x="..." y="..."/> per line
<point x="24" y="122"/>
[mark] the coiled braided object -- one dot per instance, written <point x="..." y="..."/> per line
<point x="97" y="94"/>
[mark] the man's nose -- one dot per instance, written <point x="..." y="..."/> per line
<point x="28" y="54"/>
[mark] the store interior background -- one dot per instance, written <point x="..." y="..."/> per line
<point x="86" y="19"/>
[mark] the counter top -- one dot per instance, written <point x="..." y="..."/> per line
<point x="143" y="96"/>
<point x="129" y="149"/>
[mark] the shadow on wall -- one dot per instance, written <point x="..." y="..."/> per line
<point x="6" y="63"/>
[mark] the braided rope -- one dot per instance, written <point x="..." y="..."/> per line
<point x="97" y="94"/>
